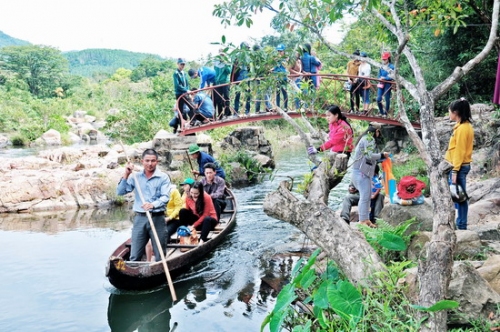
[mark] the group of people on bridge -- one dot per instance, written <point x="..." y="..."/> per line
<point x="199" y="207"/>
<point x="301" y="73"/>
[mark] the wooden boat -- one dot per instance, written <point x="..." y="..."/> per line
<point x="141" y="275"/>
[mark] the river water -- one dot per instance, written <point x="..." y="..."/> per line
<point x="53" y="270"/>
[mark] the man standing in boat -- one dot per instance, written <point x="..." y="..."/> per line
<point x="214" y="185"/>
<point x="155" y="188"/>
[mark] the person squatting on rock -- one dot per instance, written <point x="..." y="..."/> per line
<point x="340" y="135"/>
<point x="352" y="199"/>
<point x="155" y="187"/>
<point x="363" y="169"/>
<point x="459" y="153"/>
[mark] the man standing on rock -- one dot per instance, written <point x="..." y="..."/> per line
<point x="155" y="188"/>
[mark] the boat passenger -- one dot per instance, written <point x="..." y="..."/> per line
<point x="199" y="213"/>
<point x="214" y="185"/>
<point x="174" y="205"/>
<point x="155" y="189"/>
<point x="202" y="158"/>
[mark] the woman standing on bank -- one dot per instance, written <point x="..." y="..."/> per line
<point x="341" y="133"/>
<point x="363" y="169"/>
<point x="459" y="152"/>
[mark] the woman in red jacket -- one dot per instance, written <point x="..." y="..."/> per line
<point x="199" y="213"/>
<point x="341" y="133"/>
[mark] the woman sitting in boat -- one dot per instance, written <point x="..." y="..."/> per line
<point x="199" y="213"/>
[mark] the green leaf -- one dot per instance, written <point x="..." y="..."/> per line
<point x="320" y="297"/>
<point x="440" y="305"/>
<point x="223" y="39"/>
<point x="392" y="242"/>
<point x="346" y="301"/>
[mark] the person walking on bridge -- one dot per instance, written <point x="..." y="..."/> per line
<point x="181" y="85"/>
<point x="221" y="97"/>
<point x="384" y="88"/>
<point x="354" y="89"/>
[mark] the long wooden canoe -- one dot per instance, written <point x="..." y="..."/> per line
<point x="141" y="275"/>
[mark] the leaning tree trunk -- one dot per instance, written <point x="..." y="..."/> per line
<point x="346" y="246"/>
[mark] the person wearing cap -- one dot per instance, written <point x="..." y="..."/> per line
<point x="354" y="91"/>
<point x="310" y="64"/>
<point x="206" y="75"/>
<point x="214" y="185"/>
<point x="155" y="190"/>
<point x="174" y="205"/>
<point x="202" y="158"/>
<point x="364" y="71"/>
<point x="384" y="88"/>
<point x="363" y="169"/>
<point x="281" y="75"/>
<point x="181" y="85"/>
<point x="459" y="152"/>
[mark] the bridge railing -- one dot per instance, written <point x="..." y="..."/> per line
<point x="260" y="95"/>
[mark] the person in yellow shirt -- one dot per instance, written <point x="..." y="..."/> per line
<point x="459" y="152"/>
<point x="174" y="205"/>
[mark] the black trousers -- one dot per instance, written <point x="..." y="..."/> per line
<point x="187" y="218"/>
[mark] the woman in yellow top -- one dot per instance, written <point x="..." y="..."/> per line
<point x="459" y="152"/>
<point x="174" y="205"/>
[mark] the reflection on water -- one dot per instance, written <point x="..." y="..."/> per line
<point x="54" y="222"/>
<point x="53" y="277"/>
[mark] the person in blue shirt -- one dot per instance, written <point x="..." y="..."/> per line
<point x="202" y="158"/>
<point x="206" y="74"/>
<point x="155" y="188"/>
<point x="310" y="64"/>
<point x="281" y="76"/>
<point x="384" y="88"/>
<point x="240" y="73"/>
<point x="376" y="199"/>
<point x="203" y="107"/>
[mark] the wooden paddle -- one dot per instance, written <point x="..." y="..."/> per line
<point x="157" y="239"/>
<point x="191" y="164"/>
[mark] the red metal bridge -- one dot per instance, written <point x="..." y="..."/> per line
<point x="311" y="102"/>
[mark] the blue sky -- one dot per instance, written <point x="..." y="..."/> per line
<point x="169" y="28"/>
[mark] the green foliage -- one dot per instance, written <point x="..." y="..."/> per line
<point x="389" y="241"/>
<point x="139" y="121"/>
<point x="253" y="169"/>
<point x="87" y="62"/>
<point x="152" y="67"/>
<point x="41" y="68"/>
<point x="339" y="306"/>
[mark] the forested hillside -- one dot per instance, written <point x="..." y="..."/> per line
<point x="88" y="62"/>
<point x="6" y="40"/>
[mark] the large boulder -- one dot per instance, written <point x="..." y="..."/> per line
<point x="396" y="214"/>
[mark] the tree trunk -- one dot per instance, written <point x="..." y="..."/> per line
<point x="346" y="246"/>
